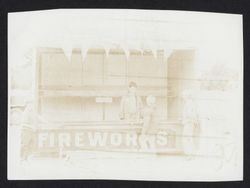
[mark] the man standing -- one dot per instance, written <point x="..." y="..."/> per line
<point x="131" y="104"/>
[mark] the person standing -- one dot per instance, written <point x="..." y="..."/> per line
<point x="147" y="138"/>
<point x="191" y="124"/>
<point x="131" y="104"/>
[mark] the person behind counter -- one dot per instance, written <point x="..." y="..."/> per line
<point x="131" y="104"/>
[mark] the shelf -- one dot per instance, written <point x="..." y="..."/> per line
<point x="98" y="91"/>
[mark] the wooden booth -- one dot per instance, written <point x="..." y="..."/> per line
<point x="83" y="94"/>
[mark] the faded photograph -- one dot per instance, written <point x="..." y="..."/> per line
<point x="125" y="94"/>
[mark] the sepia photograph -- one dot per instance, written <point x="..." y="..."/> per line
<point x="124" y="94"/>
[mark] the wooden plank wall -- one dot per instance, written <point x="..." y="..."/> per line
<point x="57" y="74"/>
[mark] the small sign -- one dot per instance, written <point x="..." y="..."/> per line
<point x="103" y="99"/>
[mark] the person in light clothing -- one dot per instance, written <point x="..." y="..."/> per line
<point x="147" y="137"/>
<point x="131" y="104"/>
<point x="191" y="124"/>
